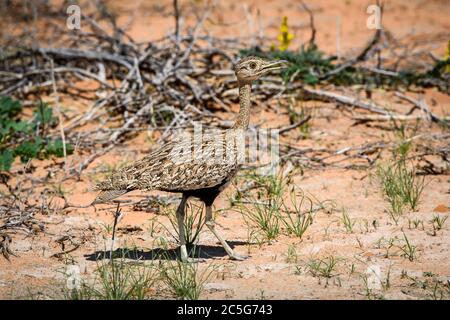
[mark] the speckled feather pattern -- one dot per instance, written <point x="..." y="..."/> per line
<point x="181" y="165"/>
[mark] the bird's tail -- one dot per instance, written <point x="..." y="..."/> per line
<point x="108" y="195"/>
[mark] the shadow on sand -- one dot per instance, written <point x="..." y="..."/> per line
<point x="198" y="251"/>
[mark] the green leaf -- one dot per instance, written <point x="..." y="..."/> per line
<point x="6" y="160"/>
<point x="28" y="150"/>
<point x="21" y="126"/>
<point x="56" y="147"/>
<point x="310" y="79"/>
<point x="9" y="108"/>
<point x="4" y="131"/>
<point x="43" y="115"/>
<point x="13" y="130"/>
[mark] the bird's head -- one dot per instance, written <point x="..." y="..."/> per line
<point x="252" y="68"/>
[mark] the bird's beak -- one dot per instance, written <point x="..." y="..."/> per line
<point x="275" y="65"/>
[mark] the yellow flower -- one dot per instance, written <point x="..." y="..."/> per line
<point x="285" y="37"/>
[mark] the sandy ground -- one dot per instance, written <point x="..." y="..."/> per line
<point x="270" y="272"/>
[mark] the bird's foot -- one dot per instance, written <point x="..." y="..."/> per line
<point x="239" y="257"/>
<point x="185" y="257"/>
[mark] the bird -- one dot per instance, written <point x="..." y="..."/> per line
<point x="177" y="167"/>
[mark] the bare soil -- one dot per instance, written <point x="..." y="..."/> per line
<point x="269" y="272"/>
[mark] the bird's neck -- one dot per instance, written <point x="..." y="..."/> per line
<point x="243" y="117"/>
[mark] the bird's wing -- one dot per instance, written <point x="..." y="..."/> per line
<point x="182" y="164"/>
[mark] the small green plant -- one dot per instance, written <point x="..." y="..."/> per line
<point x="415" y="223"/>
<point x="295" y="220"/>
<point x="116" y="279"/>
<point x="153" y="225"/>
<point x="265" y="185"/>
<point x="27" y="139"/>
<point x="296" y="116"/>
<point x="184" y="279"/>
<point x="269" y="211"/>
<point x="428" y="274"/>
<point x="401" y="187"/>
<point x="291" y="256"/>
<point x="261" y="208"/>
<point x="352" y="269"/>
<point x="272" y="185"/>
<point x="433" y="288"/>
<point x="263" y="215"/>
<point x="323" y="267"/>
<point x="193" y="222"/>
<point x="409" y="250"/>
<point x="438" y="222"/>
<point x="253" y="238"/>
<point x="402" y="139"/>
<point x="373" y="283"/>
<point x="347" y="221"/>
<point x="387" y="245"/>
<point x="437" y="293"/>
<point x="386" y="283"/>
<point x="400" y="184"/>
<point x="107" y="227"/>
<point x="369" y="291"/>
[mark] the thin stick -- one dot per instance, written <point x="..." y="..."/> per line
<point x="311" y="23"/>
<point x="295" y="125"/>
<point x="401" y="117"/>
<point x="117" y="214"/>
<point x="58" y="111"/>
<point x="344" y="100"/>
<point x="422" y="105"/>
<point x="177" y="21"/>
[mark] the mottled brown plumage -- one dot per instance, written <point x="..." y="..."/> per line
<point x="166" y="170"/>
<point x="196" y="166"/>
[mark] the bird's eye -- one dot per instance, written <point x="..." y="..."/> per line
<point x="252" y="65"/>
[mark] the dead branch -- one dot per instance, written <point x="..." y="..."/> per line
<point x="422" y="105"/>
<point x="312" y="38"/>
<point x="328" y="96"/>
<point x="295" y="125"/>
<point x="400" y="117"/>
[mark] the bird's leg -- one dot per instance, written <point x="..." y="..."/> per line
<point x="211" y="225"/>
<point x="181" y="229"/>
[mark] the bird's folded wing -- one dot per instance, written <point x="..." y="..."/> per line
<point x="178" y="166"/>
